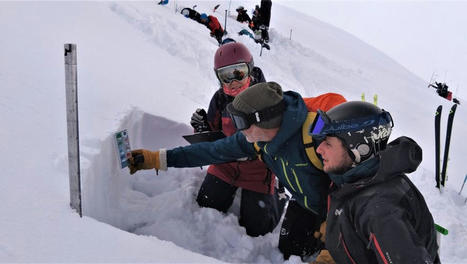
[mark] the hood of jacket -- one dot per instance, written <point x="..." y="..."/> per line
<point x="292" y="121"/>
<point x="402" y="155"/>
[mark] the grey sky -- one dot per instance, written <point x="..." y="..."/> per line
<point x="424" y="36"/>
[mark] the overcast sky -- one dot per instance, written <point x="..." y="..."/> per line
<point x="425" y="36"/>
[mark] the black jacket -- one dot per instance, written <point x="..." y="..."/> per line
<point x="377" y="215"/>
<point x="243" y="16"/>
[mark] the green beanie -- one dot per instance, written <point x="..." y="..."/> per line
<point x="258" y="97"/>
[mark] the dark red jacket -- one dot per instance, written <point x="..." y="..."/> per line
<point x="252" y="175"/>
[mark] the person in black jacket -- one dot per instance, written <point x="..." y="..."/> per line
<point x="375" y="213"/>
<point x="441" y="89"/>
<point x="243" y="15"/>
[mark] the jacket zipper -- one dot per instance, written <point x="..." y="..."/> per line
<point x="287" y="177"/>
<point x="268" y="180"/>
<point x="377" y="246"/>
<point x="341" y="241"/>
<point x="329" y="196"/>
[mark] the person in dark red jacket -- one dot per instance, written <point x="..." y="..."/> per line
<point x="260" y="209"/>
<point x="213" y="24"/>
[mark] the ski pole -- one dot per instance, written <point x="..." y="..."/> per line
<point x="441" y="229"/>
<point x="447" y="143"/>
<point x="225" y="23"/>
<point x="465" y="179"/>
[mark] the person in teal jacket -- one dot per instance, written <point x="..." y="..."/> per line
<point x="274" y="120"/>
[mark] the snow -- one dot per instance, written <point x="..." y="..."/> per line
<point x="146" y="68"/>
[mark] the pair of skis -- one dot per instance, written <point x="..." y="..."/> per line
<point x="440" y="175"/>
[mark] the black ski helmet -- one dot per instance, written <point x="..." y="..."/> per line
<point x="363" y="128"/>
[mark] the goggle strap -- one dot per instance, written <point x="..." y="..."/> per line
<point x="268" y="113"/>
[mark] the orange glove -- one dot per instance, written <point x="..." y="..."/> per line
<point x="142" y="159"/>
<point x="321" y="234"/>
<point x="324" y="258"/>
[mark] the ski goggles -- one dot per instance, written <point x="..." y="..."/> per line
<point x="324" y="126"/>
<point x="243" y="121"/>
<point x="235" y="72"/>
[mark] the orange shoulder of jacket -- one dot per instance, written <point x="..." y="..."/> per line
<point x="324" y="102"/>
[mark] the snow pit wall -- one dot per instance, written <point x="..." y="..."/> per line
<point x="109" y="193"/>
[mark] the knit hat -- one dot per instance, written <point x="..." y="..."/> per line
<point x="259" y="97"/>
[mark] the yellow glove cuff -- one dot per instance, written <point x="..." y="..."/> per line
<point x="156" y="159"/>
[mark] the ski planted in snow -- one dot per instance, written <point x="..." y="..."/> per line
<point x="465" y="179"/>
<point x="448" y="142"/>
<point x="437" y="145"/>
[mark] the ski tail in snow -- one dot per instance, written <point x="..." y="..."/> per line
<point x="447" y="143"/>
<point x="437" y="145"/>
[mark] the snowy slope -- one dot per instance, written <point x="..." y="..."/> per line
<point x="146" y="68"/>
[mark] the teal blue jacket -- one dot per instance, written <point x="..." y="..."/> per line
<point x="284" y="155"/>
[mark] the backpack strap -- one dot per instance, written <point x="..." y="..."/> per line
<point x="258" y="151"/>
<point x="308" y="141"/>
<point x="323" y="102"/>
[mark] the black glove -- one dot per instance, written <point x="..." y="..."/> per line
<point x="199" y="120"/>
